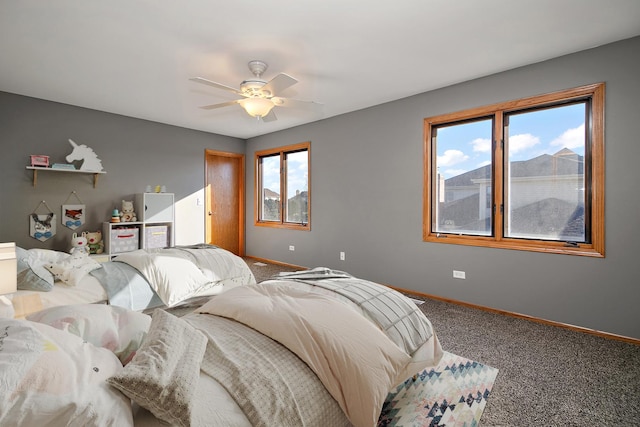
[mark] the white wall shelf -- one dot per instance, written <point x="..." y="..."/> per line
<point x="35" y="170"/>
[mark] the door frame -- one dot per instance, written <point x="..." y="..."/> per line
<point x="241" y="195"/>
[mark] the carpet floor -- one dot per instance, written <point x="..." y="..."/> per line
<point x="549" y="376"/>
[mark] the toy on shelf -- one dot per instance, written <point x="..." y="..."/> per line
<point x="79" y="245"/>
<point x="94" y="242"/>
<point x="156" y="189"/>
<point x="127" y="214"/>
<point x="64" y="166"/>
<point x="115" y="216"/>
<point x="40" y="160"/>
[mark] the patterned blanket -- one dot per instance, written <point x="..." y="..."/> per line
<point x="452" y="394"/>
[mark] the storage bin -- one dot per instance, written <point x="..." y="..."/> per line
<point x="156" y="236"/>
<point x="124" y="240"/>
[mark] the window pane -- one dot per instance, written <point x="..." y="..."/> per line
<point x="545" y="194"/>
<point x="297" y="209"/>
<point x="463" y="178"/>
<point x="270" y="180"/>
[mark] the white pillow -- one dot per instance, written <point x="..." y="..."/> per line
<point x="51" y="377"/>
<point x="174" y="279"/>
<point x="114" y="328"/>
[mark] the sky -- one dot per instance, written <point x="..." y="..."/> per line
<point x="466" y="147"/>
<point x="297" y="169"/>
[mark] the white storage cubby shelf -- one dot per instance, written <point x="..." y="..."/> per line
<point x="154" y="228"/>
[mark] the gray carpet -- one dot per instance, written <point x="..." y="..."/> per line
<point x="549" y="376"/>
<point x="264" y="270"/>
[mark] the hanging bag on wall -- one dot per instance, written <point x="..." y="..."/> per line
<point x="42" y="226"/>
<point x="73" y="216"/>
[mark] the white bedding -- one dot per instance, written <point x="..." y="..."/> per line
<point x="88" y="291"/>
<point x="54" y="373"/>
<point x="344" y="374"/>
<point x="427" y="354"/>
<point x="216" y="270"/>
<point x="53" y="378"/>
<point x="177" y="274"/>
<point x="357" y="362"/>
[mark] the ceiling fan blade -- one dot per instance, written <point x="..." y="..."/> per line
<point x="216" y="85"/>
<point x="278" y="84"/>
<point x="222" y="104"/>
<point x="271" y="117"/>
<point x="296" y="103"/>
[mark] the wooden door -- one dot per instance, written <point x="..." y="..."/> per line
<point x="224" y="197"/>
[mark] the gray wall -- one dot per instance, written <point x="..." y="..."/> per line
<point x="366" y="189"/>
<point x="134" y="153"/>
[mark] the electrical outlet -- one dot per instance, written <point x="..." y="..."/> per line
<point x="292" y="248"/>
<point x="342" y="257"/>
<point x="459" y="274"/>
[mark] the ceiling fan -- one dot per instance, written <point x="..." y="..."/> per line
<point x="258" y="96"/>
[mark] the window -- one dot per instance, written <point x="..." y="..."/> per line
<point x="282" y="187"/>
<point x="525" y="174"/>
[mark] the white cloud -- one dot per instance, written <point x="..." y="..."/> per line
<point x="298" y="173"/>
<point x="571" y="138"/>
<point x="271" y="174"/>
<point x="297" y="182"/>
<point x="452" y="157"/>
<point x="521" y="142"/>
<point x="481" y="145"/>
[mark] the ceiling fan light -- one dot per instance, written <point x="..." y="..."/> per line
<point x="257" y="107"/>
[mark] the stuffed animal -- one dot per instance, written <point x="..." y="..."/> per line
<point x="127" y="213"/>
<point x="94" y="242"/>
<point x="72" y="269"/>
<point x="59" y="271"/>
<point x="79" y="245"/>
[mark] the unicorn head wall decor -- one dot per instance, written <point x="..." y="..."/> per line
<point x="91" y="162"/>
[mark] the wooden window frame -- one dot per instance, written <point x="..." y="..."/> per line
<point x="282" y="152"/>
<point x="594" y="154"/>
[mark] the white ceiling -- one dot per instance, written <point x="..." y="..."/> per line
<point x="135" y="57"/>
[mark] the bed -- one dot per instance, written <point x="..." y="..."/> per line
<point x="139" y="280"/>
<point x="312" y="348"/>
